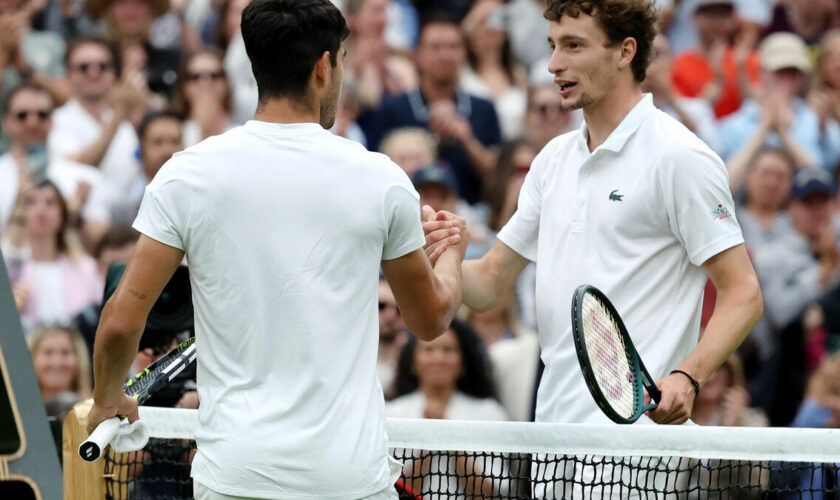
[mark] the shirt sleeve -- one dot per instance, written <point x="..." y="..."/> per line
<point x="401" y="208"/>
<point x="523" y="229"/>
<point x="699" y="203"/>
<point x="164" y="212"/>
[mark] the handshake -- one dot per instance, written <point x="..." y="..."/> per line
<point x="444" y="230"/>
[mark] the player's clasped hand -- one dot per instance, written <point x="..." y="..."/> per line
<point x="443" y="230"/>
<point x="677" y="401"/>
<point x="127" y="406"/>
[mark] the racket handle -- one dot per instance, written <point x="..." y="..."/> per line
<point x="95" y="444"/>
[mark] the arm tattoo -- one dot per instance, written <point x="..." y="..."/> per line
<point x="136" y="293"/>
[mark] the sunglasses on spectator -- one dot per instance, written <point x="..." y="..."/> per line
<point x="544" y="109"/>
<point x="23" y="115"/>
<point x="385" y="305"/>
<point x="85" y="67"/>
<point x="206" y="76"/>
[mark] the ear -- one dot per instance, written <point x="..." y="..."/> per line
<point x="627" y="52"/>
<point x="323" y="69"/>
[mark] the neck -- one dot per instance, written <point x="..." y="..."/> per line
<point x="43" y="248"/>
<point x="438" y="90"/>
<point x="764" y="214"/>
<point x="437" y="393"/>
<point x="288" y="111"/>
<point x="605" y="115"/>
<point x="48" y="394"/>
<point x="488" y="59"/>
<point x="490" y="330"/>
<point x="96" y="106"/>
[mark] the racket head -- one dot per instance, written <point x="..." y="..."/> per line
<point x="144" y="384"/>
<point x="611" y="367"/>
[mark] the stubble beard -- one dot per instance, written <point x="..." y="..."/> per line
<point x="329" y="106"/>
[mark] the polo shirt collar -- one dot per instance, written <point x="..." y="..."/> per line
<point x="628" y="126"/>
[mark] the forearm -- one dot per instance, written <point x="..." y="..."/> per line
<point x="93" y="154"/>
<point x="449" y="278"/>
<point x="739" y="163"/>
<point x="479" y="288"/>
<point x="737" y="310"/>
<point x="482" y="158"/>
<point x="803" y="158"/>
<point x="113" y="352"/>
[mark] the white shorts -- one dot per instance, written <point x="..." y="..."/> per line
<point x="204" y="493"/>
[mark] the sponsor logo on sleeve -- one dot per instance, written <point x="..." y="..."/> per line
<point x="721" y="213"/>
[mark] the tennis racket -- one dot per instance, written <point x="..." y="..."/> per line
<point x="614" y="373"/>
<point x="140" y="387"/>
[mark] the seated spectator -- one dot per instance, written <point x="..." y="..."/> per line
<point x="371" y="67"/>
<point x="779" y="117"/>
<point x="695" y="113"/>
<point x="61" y="365"/>
<point x="516" y="372"/>
<point x="203" y="96"/>
<point x="392" y="338"/>
<point x="724" y="399"/>
<point x="437" y="187"/>
<point x="55" y="280"/>
<point x="95" y="126"/>
<point x="546" y="118"/>
<point x="448" y="378"/>
<point x="824" y="96"/>
<point x="492" y="72"/>
<point x="466" y="126"/>
<point x="29" y="54"/>
<point x="766" y="188"/>
<point x="810" y="19"/>
<point x="128" y="23"/>
<point x="26" y="121"/>
<point x="715" y="69"/>
<point x="160" y="135"/>
<point x="411" y="148"/>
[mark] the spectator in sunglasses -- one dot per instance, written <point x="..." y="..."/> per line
<point x="95" y="126"/>
<point x="545" y="118"/>
<point x="203" y="96"/>
<point x="27" y="122"/>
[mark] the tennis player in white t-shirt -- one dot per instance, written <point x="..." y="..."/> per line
<point x="633" y="203"/>
<point x="285" y="227"/>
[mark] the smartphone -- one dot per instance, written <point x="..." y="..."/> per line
<point x="36" y="163"/>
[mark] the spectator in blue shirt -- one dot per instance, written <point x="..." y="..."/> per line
<point x="467" y="126"/>
<point x="780" y="118"/>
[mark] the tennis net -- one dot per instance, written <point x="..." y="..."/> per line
<point x="515" y="460"/>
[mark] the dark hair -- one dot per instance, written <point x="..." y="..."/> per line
<point x="153" y="116"/>
<point x="116" y="237"/>
<point x="438" y="17"/>
<point x="180" y="103"/>
<point x="106" y="44"/>
<point x="285" y="38"/>
<point x="620" y="19"/>
<point x="496" y="187"/>
<point x="508" y="61"/>
<point x="30" y="86"/>
<point x="475" y="379"/>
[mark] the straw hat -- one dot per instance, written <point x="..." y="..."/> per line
<point x="97" y="8"/>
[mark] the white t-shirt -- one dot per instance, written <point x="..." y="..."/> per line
<point x="74" y="130"/>
<point x="9" y="184"/>
<point x="635" y="218"/>
<point x="285" y="227"/>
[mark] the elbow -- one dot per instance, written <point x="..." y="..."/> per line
<point x="755" y="300"/>
<point x="431" y="324"/>
<point x="429" y="331"/>
<point x="115" y="327"/>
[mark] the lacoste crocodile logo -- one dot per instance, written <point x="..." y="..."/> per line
<point x="614" y="196"/>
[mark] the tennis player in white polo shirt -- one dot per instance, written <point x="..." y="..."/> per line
<point x="633" y="203"/>
<point x="285" y="226"/>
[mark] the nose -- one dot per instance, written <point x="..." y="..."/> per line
<point x="557" y="63"/>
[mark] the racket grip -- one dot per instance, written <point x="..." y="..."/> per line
<point x="95" y="444"/>
<point x="654" y="393"/>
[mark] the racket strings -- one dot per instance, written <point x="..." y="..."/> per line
<point x="607" y="355"/>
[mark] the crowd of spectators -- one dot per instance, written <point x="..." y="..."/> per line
<point x="98" y="94"/>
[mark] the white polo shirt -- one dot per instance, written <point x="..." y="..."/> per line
<point x="636" y="218"/>
<point x="285" y="227"/>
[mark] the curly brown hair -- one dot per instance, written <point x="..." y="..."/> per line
<point x="620" y="19"/>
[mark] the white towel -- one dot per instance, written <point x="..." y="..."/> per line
<point x="130" y="437"/>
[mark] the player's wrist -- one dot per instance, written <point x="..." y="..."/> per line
<point x="695" y="384"/>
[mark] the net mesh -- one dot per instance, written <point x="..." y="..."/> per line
<point x="605" y="346"/>
<point x="442" y="462"/>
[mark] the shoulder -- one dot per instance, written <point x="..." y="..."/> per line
<point x="674" y="145"/>
<point x="397" y="102"/>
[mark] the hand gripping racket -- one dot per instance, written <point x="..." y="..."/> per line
<point x="614" y="373"/>
<point x="140" y="387"/>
